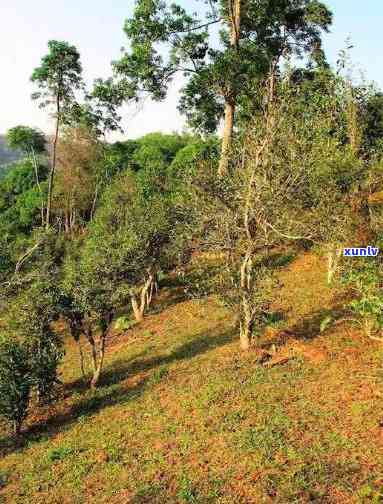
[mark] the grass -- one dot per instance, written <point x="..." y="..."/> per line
<point x="182" y="416"/>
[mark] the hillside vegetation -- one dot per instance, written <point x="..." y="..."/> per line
<point x="183" y="416"/>
<point x="189" y="318"/>
<point x="7" y="155"/>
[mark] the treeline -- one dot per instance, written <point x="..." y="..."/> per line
<point x="92" y="228"/>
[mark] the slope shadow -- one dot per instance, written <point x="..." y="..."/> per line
<point x="104" y="397"/>
<point x="198" y="345"/>
<point x="309" y="327"/>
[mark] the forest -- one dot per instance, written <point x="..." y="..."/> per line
<point x="185" y="317"/>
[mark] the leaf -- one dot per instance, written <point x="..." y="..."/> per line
<point x="325" y="323"/>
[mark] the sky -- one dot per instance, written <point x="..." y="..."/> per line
<point x="95" y="28"/>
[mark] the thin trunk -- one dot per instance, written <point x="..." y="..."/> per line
<point x="94" y="203"/>
<point x="66" y="221"/>
<point x="106" y="321"/>
<point x="81" y="355"/>
<point x="53" y="167"/>
<point x="25" y="256"/>
<point x="353" y="123"/>
<point x="89" y="337"/>
<point x="34" y="162"/>
<point x="145" y="298"/>
<point x="333" y="258"/>
<point x="149" y="296"/>
<point x="144" y="294"/>
<point x="246" y="323"/>
<point x="227" y="137"/>
<point x="16" y="427"/>
<point x="98" y="369"/>
<point x="72" y="220"/>
<point x="245" y="336"/>
<point x="138" y="315"/>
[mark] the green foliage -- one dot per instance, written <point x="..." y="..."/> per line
<point x="325" y="323"/>
<point x="26" y="139"/>
<point x="56" y="454"/>
<point x="129" y="234"/>
<point x="158" y="149"/>
<point x="165" y="39"/>
<point x="18" y="180"/>
<point x="187" y="492"/>
<point x="366" y="281"/>
<point x="372" y="113"/>
<point x="119" y="157"/>
<point x="7" y="156"/>
<point x="152" y="153"/>
<point x="6" y="264"/>
<point x="33" y="312"/>
<point x="58" y="76"/>
<point x="21" y="199"/>
<point x="124" y="323"/>
<point x="187" y="159"/>
<point x="290" y="184"/>
<point x="15" y="382"/>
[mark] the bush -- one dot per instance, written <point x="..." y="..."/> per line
<point x="32" y="316"/>
<point x="15" y="382"/>
<point x="366" y="281"/>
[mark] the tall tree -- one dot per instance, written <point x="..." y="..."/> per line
<point x="58" y="77"/>
<point x="253" y="36"/>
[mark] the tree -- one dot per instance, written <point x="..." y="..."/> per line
<point x="21" y="200"/>
<point x="165" y="39"/>
<point x="137" y="232"/>
<point x="31" y="142"/>
<point x="372" y="112"/>
<point x="79" y="158"/>
<point x="289" y="191"/>
<point x="33" y="311"/>
<point x="89" y="305"/>
<point x="58" y="77"/>
<point x="15" y="382"/>
<point x="28" y="140"/>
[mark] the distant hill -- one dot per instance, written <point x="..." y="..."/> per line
<point x="7" y="156"/>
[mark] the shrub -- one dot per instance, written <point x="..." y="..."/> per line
<point x="15" y="382"/>
<point x="32" y="315"/>
<point x="366" y="282"/>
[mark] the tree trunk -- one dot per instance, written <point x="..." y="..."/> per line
<point x="53" y="167"/>
<point x="16" y="427"/>
<point x="34" y="162"/>
<point x="98" y="369"/>
<point x="94" y="203"/>
<point x="246" y="324"/>
<point x="138" y="314"/>
<point x="66" y="221"/>
<point x="145" y="298"/>
<point x="89" y="337"/>
<point x="106" y="321"/>
<point x="227" y="138"/>
<point x="332" y="263"/>
<point x="81" y="355"/>
<point x="245" y="335"/>
<point x="235" y="26"/>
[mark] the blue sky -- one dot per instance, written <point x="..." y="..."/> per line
<point x="95" y="27"/>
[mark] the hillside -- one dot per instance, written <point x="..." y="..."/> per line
<point x="182" y="416"/>
<point x="6" y="155"/>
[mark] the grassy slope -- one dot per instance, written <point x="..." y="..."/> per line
<point x="182" y="416"/>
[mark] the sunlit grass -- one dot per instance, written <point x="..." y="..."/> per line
<point x="182" y="416"/>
